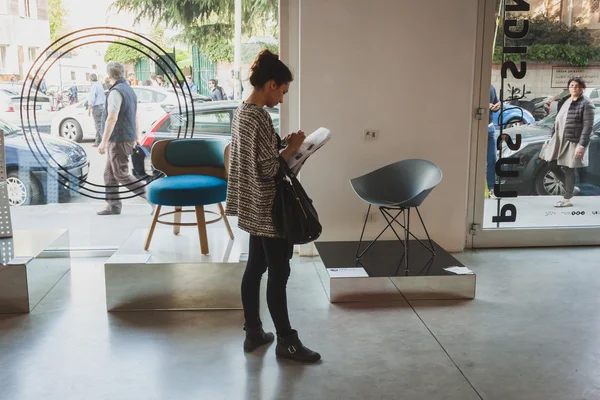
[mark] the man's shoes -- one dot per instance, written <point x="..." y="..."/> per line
<point x="96" y="145"/>
<point x="109" y="211"/>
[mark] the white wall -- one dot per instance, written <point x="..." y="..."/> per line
<point x="425" y="54"/>
<point x="26" y="32"/>
<point x="538" y="79"/>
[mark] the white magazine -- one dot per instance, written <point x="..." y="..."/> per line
<point x="312" y="143"/>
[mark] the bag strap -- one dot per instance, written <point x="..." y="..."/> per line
<point x="285" y="168"/>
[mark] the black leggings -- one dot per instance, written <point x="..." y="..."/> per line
<point x="274" y="254"/>
<point x="566" y="175"/>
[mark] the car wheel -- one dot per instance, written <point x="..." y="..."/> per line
<point x="547" y="184"/>
<point x="515" y="122"/>
<point x="21" y="191"/>
<point x="70" y="129"/>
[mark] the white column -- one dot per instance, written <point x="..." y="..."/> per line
<point x="237" y="53"/>
<point x="570" y="21"/>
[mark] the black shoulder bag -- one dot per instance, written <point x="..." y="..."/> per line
<point x="294" y="216"/>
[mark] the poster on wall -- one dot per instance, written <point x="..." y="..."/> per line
<point x="561" y="75"/>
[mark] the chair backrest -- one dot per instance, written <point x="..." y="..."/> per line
<point x="226" y="157"/>
<point x="190" y="157"/>
<point x="404" y="183"/>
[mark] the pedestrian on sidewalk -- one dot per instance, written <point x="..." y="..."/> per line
<point x="568" y="147"/>
<point x="121" y="133"/>
<point x="96" y="102"/>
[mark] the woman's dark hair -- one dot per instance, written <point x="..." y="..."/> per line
<point x="268" y="66"/>
<point x="579" y="80"/>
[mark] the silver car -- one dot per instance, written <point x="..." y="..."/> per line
<point x="11" y="104"/>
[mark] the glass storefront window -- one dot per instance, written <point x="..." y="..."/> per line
<point x="530" y="106"/>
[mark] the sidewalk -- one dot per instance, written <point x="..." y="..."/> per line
<point x="539" y="211"/>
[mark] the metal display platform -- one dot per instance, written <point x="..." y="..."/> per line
<point x="30" y="267"/>
<point x="174" y="275"/>
<point x="381" y="274"/>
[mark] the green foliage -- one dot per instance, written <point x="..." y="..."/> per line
<point x="187" y="13"/>
<point x="250" y="51"/>
<point x="181" y="55"/>
<point x="223" y="50"/>
<point x="544" y="29"/>
<point x="121" y="51"/>
<point x="209" y="24"/>
<point x="217" y="49"/>
<point x="57" y="15"/>
<point x="570" y="55"/>
<point x="550" y="40"/>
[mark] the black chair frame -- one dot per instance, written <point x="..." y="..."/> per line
<point x="390" y="219"/>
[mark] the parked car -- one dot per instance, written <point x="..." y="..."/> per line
<point x="27" y="181"/>
<point x="74" y="123"/>
<point x="512" y="116"/>
<point x="592" y="92"/>
<point x="11" y="104"/>
<point x="211" y="120"/>
<point x="535" y="177"/>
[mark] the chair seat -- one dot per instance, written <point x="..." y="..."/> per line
<point x="187" y="190"/>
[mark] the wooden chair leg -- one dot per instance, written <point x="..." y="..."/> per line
<point x="177" y="220"/>
<point x="151" y="231"/>
<point x="226" y="221"/>
<point x="201" y="220"/>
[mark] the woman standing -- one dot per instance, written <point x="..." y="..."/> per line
<point x="254" y="163"/>
<point x="571" y="133"/>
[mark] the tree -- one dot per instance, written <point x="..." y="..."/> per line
<point x="209" y="24"/>
<point x="120" y="52"/>
<point x="57" y="15"/>
<point x="550" y="40"/>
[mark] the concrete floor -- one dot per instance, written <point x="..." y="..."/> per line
<point x="531" y="333"/>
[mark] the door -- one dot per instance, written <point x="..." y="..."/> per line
<point x="514" y="193"/>
<point x="143" y="69"/>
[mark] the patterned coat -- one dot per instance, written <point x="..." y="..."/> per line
<point x="253" y="165"/>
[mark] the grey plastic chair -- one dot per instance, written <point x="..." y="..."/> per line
<point x="397" y="187"/>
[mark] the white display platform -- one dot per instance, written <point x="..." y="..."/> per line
<point x="28" y="269"/>
<point x="174" y="275"/>
<point x="381" y="274"/>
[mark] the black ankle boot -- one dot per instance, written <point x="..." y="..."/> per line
<point x="256" y="338"/>
<point x="291" y="347"/>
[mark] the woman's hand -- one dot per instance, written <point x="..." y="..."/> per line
<point x="579" y="152"/>
<point x="295" y="140"/>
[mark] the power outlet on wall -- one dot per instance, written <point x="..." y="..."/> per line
<point x="370" y="135"/>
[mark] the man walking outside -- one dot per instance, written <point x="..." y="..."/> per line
<point x="192" y="85"/>
<point x="96" y="101"/>
<point x="216" y="93"/>
<point x="131" y="80"/>
<point x="120" y="136"/>
<point x="491" y="144"/>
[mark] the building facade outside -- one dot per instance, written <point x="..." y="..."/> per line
<point x="549" y="78"/>
<point x="24" y="33"/>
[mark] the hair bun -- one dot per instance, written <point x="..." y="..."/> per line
<point x="266" y="54"/>
<point x="267" y="66"/>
